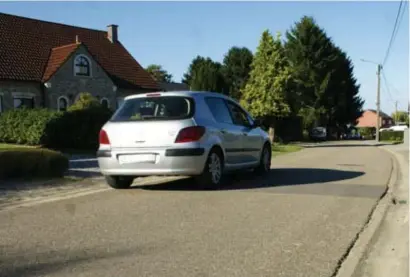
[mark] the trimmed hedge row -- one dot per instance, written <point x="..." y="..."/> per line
<point x="77" y="129"/>
<point x="29" y="162"/>
<point x="392" y="136"/>
<point x="25" y="126"/>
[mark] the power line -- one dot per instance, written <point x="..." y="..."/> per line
<point x="400" y="19"/>
<point x="393" y="33"/>
<point x="387" y="86"/>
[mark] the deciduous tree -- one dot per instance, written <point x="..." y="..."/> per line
<point x="205" y="75"/>
<point x="158" y="73"/>
<point x="236" y="68"/>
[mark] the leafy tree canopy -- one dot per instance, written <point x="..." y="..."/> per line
<point x="85" y="101"/>
<point x="236" y="68"/>
<point x="205" y="75"/>
<point x="264" y="93"/>
<point x="158" y="73"/>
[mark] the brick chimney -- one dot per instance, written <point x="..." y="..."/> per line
<point x="112" y="33"/>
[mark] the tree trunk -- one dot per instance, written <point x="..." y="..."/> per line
<point x="271" y="134"/>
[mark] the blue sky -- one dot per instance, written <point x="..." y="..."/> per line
<point x="172" y="33"/>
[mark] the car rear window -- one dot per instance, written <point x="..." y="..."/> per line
<point x="155" y="108"/>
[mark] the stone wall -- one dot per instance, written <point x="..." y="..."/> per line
<point x="11" y="89"/>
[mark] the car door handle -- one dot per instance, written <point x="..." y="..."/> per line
<point x="223" y="131"/>
<point x="245" y="134"/>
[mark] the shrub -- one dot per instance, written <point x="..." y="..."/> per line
<point x="85" y="101"/>
<point x="32" y="162"/>
<point x="77" y="129"/>
<point x="367" y="132"/>
<point x="392" y="136"/>
<point x="25" y="126"/>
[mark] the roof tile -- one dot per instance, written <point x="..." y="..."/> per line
<point x="25" y="49"/>
<point x="57" y="57"/>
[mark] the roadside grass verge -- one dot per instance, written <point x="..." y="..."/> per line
<point x="8" y="146"/>
<point x="280" y="149"/>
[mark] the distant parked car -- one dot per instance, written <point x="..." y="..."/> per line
<point x="318" y="134"/>
<point x="352" y="136"/>
<point x="199" y="134"/>
<point x="400" y="127"/>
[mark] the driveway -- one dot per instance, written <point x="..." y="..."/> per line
<point x="298" y="221"/>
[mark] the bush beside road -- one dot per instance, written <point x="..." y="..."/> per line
<point x="30" y="162"/>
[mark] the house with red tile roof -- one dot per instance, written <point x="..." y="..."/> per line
<point x="46" y="64"/>
<point x="369" y="119"/>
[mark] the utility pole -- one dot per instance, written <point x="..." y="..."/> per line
<point x="379" y="68"/>
<point x="395" y="114"/>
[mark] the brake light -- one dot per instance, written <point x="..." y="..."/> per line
<point x="153" y="94"/>
<point x="190" y="134"/>
<point x="103" y="138"/>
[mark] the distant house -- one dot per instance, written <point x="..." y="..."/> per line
<point x="369" y="119"/>
<point x="174" y="86"/>
<point x="45" y="64"/>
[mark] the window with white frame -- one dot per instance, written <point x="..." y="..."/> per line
<point x="62" y="103"/>
<point x="105" y="103"/>
<point x="23" y="101"/>
<point x="82" y="66"/>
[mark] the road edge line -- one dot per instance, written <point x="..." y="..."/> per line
<point x="349" y="262"/>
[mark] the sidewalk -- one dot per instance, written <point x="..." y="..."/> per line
<point x="389" y="255"/>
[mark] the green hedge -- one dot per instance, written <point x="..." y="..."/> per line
<point x="392" y="136"/>
<point x="25" y="126"/>
<point x="367" y="132"/>
<point x="76" y="129"/>
<point x="26" y="162"/>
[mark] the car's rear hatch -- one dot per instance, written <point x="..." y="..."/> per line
<point x="150" y="121"/>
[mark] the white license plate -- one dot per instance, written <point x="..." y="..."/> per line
<point x="136" y="158"/>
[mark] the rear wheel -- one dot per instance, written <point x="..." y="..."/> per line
<point x="265" y="160"/>
<point x="212" y="175"/>
<point x="119" y="182"/>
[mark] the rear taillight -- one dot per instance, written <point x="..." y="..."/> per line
<point x="190" y="134"/>
<point x="103" y="138"/>
<point x="153" y="94"/>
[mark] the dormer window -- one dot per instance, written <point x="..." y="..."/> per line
<point x="82" y="66"/>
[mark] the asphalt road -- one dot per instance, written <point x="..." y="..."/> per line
<point x="299" y="221"/>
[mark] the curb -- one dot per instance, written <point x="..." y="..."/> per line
<point x="349" y="263"/>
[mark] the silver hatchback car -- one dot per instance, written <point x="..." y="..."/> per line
<point x="201" y="134"/>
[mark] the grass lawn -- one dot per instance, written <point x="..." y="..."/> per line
<point x="278" y="149"/>
<point x="7" y="146"/>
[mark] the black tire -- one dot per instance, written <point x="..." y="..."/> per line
<point x="265" y="161"/>
<point x="207" y="180"/>
<point x="119" y="182"/>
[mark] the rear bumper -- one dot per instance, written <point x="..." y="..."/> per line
<point x="171" y="161"/>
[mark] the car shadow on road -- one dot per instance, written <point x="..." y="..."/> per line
<point x="277" y="177"/>
<point x="83" y="163"/>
